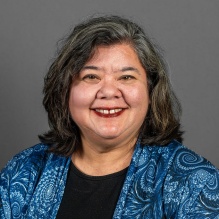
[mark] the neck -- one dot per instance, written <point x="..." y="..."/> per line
<point x="98" y="161"/>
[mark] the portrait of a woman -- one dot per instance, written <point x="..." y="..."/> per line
<point x="114" y="148"/>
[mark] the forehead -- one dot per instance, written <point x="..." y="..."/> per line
<point x="116" y="54"/>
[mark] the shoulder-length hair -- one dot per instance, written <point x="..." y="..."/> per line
<point x="161" y="124"/>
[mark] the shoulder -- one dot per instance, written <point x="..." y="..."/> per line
<point x="186" y="164"/>
<point x="32" y="161"/>
<point x="19" y="176"/>
<point x="170" y="180"/>
<point x="187" y="161"/>
<point x="177" y="158"/>
<point x="29" y="174"/>
<point x="30" y="164"/>
<point x="162" y="156"/>
<point x="28" y="158"/>
<point x="191" y="185"/>
<point x="26" y="165"/>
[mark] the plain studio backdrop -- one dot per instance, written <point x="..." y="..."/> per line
<point x="188" y="32"/>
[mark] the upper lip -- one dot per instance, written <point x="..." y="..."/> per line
<point x="108" y="108"/>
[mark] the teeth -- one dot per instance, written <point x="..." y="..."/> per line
<point x="99" y="110"/>
<point x="118" y="110"/>
<point x="112" y="111"/>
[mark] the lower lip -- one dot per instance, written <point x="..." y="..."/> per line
<point x="109" y="115"/>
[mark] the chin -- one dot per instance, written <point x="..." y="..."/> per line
<point x="108" y="136"/>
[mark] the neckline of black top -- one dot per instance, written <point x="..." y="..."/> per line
<point x="96" y="178"/>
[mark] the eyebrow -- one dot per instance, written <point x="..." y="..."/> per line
<point x="90" y="67"/>
<point x="124" y="69"/>
<point x="130" y="69"/>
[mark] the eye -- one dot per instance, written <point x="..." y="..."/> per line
<point x="91" y="78"/>
<point x="127" y="77"/>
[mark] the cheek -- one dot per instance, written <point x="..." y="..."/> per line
<point x="137" y="97"/>
<point x="79" y="98"/>
<point x="79" y="102"/>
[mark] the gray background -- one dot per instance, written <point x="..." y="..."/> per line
<point x="188" y="31"/>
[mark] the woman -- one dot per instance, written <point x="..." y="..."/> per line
<point x="114" y="146"/>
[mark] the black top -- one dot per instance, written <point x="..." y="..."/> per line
<point x="92" y="197"/>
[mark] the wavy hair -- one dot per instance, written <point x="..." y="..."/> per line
<point x="161" y="124"/>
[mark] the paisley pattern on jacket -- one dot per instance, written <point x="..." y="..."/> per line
<point x="32" y="184"/>
<point x="162" y="182"/>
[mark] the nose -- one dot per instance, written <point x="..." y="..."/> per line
<point x="109" y="89"/>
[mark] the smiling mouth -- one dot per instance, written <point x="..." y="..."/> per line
<point x="107" y="113"/>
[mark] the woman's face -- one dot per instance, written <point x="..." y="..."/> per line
<point x="109" y="99"/>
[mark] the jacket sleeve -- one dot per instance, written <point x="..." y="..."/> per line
<point x="191" y="188"/>
<point x="17" y="180"/>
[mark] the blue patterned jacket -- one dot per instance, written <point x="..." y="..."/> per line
<point x="161" y="182"/>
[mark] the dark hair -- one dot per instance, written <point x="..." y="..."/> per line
<point x="161" y="124"/>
